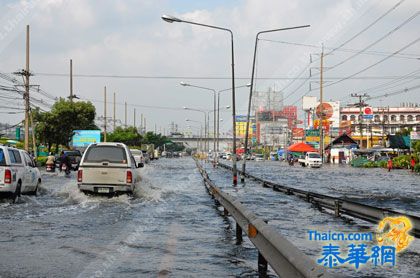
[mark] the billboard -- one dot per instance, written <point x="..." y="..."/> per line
<point x="83" y="138"/>
<point x="308" y="103"/>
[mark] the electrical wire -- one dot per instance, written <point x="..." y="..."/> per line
<point x="411" y="56"/>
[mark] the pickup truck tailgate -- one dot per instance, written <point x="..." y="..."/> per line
<point x="104" y="175"/>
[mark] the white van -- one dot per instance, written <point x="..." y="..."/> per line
<point x="18" y="173"/>
<point x="108" y="168"/>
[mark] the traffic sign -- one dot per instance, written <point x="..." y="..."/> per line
<point x="367" y="113"/>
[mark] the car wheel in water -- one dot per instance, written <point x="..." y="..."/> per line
<point x="35" y="192"/>
<point x="17" y="192"/>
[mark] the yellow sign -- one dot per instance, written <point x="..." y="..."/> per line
<point x="241" y="128"/>
<point x="397" y="234"/>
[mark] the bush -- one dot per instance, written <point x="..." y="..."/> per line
<point x="401" y="162"/>
<point x="41" y="160"/>
<point x="417" y="168"/>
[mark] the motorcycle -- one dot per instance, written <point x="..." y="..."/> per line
<point x="50" y="168"/>
<point x="66" y="170"/>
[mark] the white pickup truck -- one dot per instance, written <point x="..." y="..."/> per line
<point x="311" y="159"/>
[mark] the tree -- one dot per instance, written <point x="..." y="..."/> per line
<point x="57" y="125"/>
<point x="128" y="136"/>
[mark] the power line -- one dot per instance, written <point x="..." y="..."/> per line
<point x="375" y="42"/>
<point x="367" y="27"/>
<point x="212" y="78"/>
<point x="138" y="105"/>
<point x="405" y="90"/>
<point x="411" y="56"/>
<point x="374" y="64"/>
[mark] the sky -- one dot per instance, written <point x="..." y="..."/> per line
<point x="143" y="59"/>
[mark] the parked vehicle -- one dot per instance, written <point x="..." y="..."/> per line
<point x="18" y="173"/>
<point x="311" y="159"/>
<point x="146" y="156"/>
<point x="259" y="157"/>
<point x="108" y="168"/>
<point x="138" y="156"/>
<point x="75" y="156"/>
<point x="228" y="156"/>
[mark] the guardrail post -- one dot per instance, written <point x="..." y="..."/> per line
<point x="308" y="197"/>
<point x="238" y="234"/>
<point x="225" y="212"/>
<point x="262" y="263"/>
<point x="262" y="266"/>
<point x="337" y="208"/>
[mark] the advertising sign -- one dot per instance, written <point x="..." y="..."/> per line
<point x="83" y="138"/>
<point x="297" y="132"/>
<point x="368" y="113"/>
<point x="242" y="118"/>
<point x="415" y="135"/>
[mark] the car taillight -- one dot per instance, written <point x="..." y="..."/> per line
<point x="7" y="176"/>
<point x="129" y="177"/>
<point x="80" y="175"/>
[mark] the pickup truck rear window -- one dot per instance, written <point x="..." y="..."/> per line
<point x="2" y="158"/>
<point x="111" y="154"/>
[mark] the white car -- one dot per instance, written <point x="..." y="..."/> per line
<point x="138" y="156"/>
<point x="108" y="168"/>
<point x="311" y="159"/>
<point x="259" y="157"/>
<point x="18" y="173"/>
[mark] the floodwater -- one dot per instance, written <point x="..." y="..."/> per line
<point x="171" y="227"/>
<point x="292" y="217"/>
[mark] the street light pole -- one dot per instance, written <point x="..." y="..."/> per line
<point x="214" y="110"/>
<point x="172" y="19"/>
<point x="205" y="121"/>
<point x="252" y="87"/>
<point x="218" y="110"/>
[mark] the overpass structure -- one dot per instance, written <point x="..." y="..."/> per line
<point x="195" y="142"/>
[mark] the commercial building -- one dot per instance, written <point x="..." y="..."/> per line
<point x="384" y="121"/>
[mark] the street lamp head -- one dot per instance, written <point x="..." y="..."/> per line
<point x="248" y="85"/>
<point x="227" y="106"/>
<point x="184" y="84"/>
<point x="187" y="120"/>
<point x="170" y="18"/>
<point x="186" y="108"/>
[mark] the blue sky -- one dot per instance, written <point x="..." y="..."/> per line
<point x="129" y="38"/>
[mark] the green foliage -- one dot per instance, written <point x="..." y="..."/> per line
<point x="40" y="161"/>
<point x="128" y="136"/>
<point x="416" y="146"/>
<point x="56" y="126"/>
<point x="401" y="162"/>
<point x="417" y="168"/>
<point x="156" y="139"/>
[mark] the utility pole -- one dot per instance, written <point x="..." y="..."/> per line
<point x="115" y="120"/>
<point x="125" y="115"/>
<point x="141" y="123"/>
<point x="321" y="103"/>
<point x="71" y="80"/>
<point x="105" y="114"/>
<point x="26" y="96"/>
<point x="134" y="117"/>
<point x="33" y="136"/>
<point x="361" y="104"/>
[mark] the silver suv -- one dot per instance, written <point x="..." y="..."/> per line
<point x="108" y="168"/>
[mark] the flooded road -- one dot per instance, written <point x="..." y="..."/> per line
<point x="170" y="227"/>
<point x="293" y="217"/>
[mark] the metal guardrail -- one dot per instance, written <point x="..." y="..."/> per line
<point x="285" y="259"/>
<point x="338" y="205"/>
